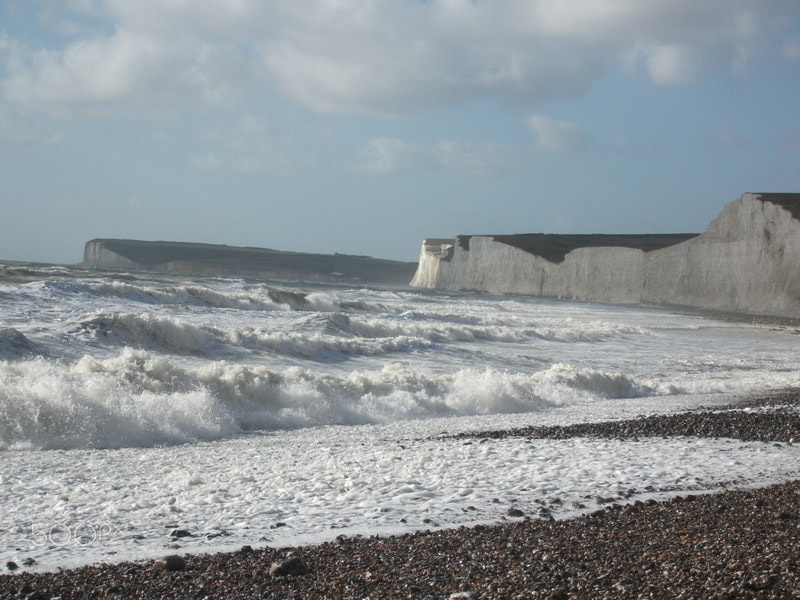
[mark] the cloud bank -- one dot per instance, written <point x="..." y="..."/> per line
<point x="377" y="57"/>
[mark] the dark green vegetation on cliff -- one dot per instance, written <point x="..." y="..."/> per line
<point x="788" y="201"/>
<point x="554" y="246"/>
<point x="233" y="260"/>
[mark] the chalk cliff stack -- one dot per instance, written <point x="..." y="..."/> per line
<point x="747" y="261"/>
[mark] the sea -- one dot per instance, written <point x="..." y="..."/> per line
<point x="145" y="414"/>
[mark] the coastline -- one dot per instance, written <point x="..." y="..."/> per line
<point x="743" y="263"/>
<point x="737" y="543"/>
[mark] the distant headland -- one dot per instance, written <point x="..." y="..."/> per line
<point x="746" y="262"/>
<point x="213" y="259"/>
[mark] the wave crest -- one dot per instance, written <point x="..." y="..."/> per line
<point x="137" y="399"/>
<point x="591" y="382"/>
<point x="147" y="330"/>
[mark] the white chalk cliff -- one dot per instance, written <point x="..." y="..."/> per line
<point x="95" y="252"/>
<point x="747" y="261"/>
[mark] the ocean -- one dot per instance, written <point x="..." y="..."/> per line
<point x="150" y="414"/>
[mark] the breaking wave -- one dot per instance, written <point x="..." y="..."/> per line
<point x="177" y="336"/>
<point x="91" y="361"/>
<point x="595" y="331"/>
<point x="254" y="297"/>
<point x="140" y="399"/>
<point x="328" y="336"/>
<point x="146" y="330"/>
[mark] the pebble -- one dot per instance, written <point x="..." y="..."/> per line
<point x="173" y="562"/>
<point x="734" y="544"/>
<point x="776" y="422"/>
<point x="180" y="533"/>
<point x="293" y="565"/>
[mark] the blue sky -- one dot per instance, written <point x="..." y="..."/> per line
<point x="364" y="126"/>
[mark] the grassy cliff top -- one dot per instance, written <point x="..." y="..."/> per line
<point x="554" y="247"/>
<point x="790" y="202"/>
<point x="153" y="254"/>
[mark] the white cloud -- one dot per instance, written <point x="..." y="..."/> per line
<point x="555" y="137"/>
<point x="382" y="156"/>
<point x="383" y="57"/>
<point x="386" y="155"/>
<point x="126" y="71"/>
<point x="10" y="51"/>
<point x="673" y="64"/>
<point x="249" y="145"/>
<point x="482" y="159"/>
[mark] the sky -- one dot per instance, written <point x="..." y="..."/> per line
<point x="365" y="126"/>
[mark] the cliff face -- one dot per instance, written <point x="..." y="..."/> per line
<point x="211" y="259"/>
<point x="428" y="268"/>
<point x="96" y="253"/>
<point x="746" y="262"/>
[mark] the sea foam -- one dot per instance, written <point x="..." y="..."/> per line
<point x="140" y="399"/>
<point x="46" y="405"/>
<point x="94" y="362"/>
<point x="227" y="406"/>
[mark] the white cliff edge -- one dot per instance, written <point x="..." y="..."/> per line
<point x="747" y="261"/>
<point x="96" y="253"/>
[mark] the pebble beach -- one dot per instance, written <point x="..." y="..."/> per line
<point x="740" y="543"/>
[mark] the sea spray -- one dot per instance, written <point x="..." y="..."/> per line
<point x="47" y="406"/>
<point x="94" y="360"/>
<point x="132" y="401"/>
<point x="139" y="399"/>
